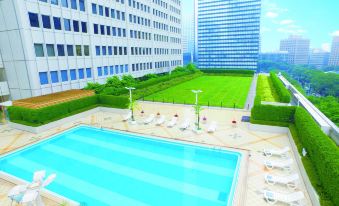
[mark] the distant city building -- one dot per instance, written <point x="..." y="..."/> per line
<point x="228" y="33"/>
<point x="334" y="56"/>
<point x="188" y="30"/>
<point x="278" y="56"/>
<point x="319" y="58"/>
<point x="52" y="46"/>
<point x="4" y="91"/>
<point x="298" y="49"/>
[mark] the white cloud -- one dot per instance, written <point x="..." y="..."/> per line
<point x="335" y="33"/>
<point x="326" y="47"/>
<point x="271" y="14"/>
<point x="286" y="22"/>
<point x="291" y="31"/>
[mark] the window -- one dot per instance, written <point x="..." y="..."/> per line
<point x="102" y="29"/>
<point x="118" y="15"/>
<point x="70" y="51"/>
<point x="74" y="4"/>
<point x="73" y="74"/>
<point x="111" y="70"/>
<point x="101" y="10"/>
<point x="126" y="68"/>
<point x="108" y="30"/>
<point x="57" y="23"/>
<point x="64" y="3"/>
<point x="110" y="50"/>
<point x="112" y="13"/>
<point x="82" y="5"/>
<point x="97" y="50"/>
<point x="86" y="50"/>
<point x="115" y="50"/>
<point x="81" y="74"/>
<point x="78" y="50"/>
<point x="64" y="75"/>
<point x="84" y="27"/>
<point x="61" y="50"/>
<point x="67" y="24"/>
<point x="46" y="21"/>
<point x="95" y="28"/>
<point x="50" y="50"/>
<point x="123" y="16"/>
<point x="39" y="50"/>
<point x="106" y="70"/>
<point x="114" y="31"/>
<point x="43" y="78"/>
<point x="33" y="19"/>
<point x="106" y="11"/>
<point x="76" y="26"/>
<point x="55" y="2"/>
<point x="94" y="9"/>
<point x="99" y="71"/>
<point x="88" y="72"/>
<point x="54" y="77"/>
<point x="104" y="50"/>
<point x="121" y="68"/>
<point x="116" y="69"/>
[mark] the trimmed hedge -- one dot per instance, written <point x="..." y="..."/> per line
<point x="270" y="113"/>
<point x="322" y="151"/>
<point x="228" y="72"/>
<point x="37" y="117"/>
<point x="283" y="93"/>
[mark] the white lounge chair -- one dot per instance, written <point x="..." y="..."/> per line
<point x="161" y="120"/>
<point x="185" y="125"/>
<point x="286" y="164"/>
<point x="127" y="116"/>
<point x="149" y="119"/>
<point x="212" y="127"/>
<point x="290" y="181"/>
<point x="281" y="152"/>
<point x="172" y="122"/>
<point x="293" y="199"/>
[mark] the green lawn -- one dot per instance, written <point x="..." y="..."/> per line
<point x="266" y="89"/>
<point x="217" y="90"/>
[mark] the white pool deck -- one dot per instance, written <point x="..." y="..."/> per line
<point x="227" y="135"/>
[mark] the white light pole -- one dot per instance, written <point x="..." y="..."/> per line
<point x="197" y="110"/>
<point x="130" y="100"/>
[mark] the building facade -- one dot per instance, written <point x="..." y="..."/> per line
<point x="318" y="58"/>
<point x="334" y="56"/>
<point x="228" y="33"/>
<point x="188" y="31"/>
<point x="298" y="49"/>
<point x="49" y="46"/>
<point x="277" y="56"/>
<point x="4" y="91"/>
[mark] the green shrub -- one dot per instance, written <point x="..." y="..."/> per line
<point x="228" y="72"/>
<point x="257" y="100"/>
<point x="322" y="151"/>
<point x="283" y="93"/>
<point x="113" y="101"/>
<point x="273" y="113"/>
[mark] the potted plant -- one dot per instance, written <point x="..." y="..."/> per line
<point x="197" y="110"/>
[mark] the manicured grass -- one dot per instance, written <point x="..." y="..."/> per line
<point x="217" y="91"/>
<point x="266" y="90"/>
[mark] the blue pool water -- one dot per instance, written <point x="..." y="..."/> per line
<point x="100" y="167"/>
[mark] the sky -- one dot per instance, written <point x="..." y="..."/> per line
<point x="317" y="20"/>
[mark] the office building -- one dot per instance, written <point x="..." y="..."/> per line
<point x="49" y="46"/>
<point x="298" y="49"/>
<point x="228" y="33"/>
<point x="188" y="31"/>
<point x="4" y="91"/>
<point x="319" y="58"/>
<point x="276" y="56"/>
<point x="334" y="56"/>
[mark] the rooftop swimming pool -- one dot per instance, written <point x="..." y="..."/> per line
<point x="98" y="167"/>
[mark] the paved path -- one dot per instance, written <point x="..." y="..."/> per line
<point x="251" y="94"/>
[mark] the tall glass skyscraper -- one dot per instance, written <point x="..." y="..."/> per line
<point x="188" y="30"/>
<point x="228" y="33"/>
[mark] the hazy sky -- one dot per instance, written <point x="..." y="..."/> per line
<point x="317" y="20"/>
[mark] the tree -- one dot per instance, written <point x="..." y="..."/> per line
<point x="128" y="81"/>
<point x="113" y="82"/>
<point x="197" y="109"/>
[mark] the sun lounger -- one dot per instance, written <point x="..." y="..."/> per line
<point x="290" y="181"/>
<point x="212" y="127"/>
<point x="185" y="125"/>
<point x="293" y="199"/>
<point x="286" y="164"/>
<point x="149" y="119"/>
<point x="161" y="120"/>
<point x="172" y="122"/>
<point x="280" y="152"/>
<point x="127" y="116"/>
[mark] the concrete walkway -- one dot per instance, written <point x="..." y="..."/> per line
<point x="251" y="95"/>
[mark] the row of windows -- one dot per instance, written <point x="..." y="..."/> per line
<point x="46" y="23"/>
<point x="110" y="50"/>
<point x="139" y="20"/>
<point x="74" y="4"/>
<point x="161" y="64"/>
<point x="158" y="51"/>
<point x="160" y="3"/>
<point x="120" y="32"/>
<point x="175" y="10"/>
<point x="178" y="2"/>
<point x="111" y="70"/>
<point x="61" y="51"/>
<point x="140" y="35"/>
<point x="142" y="66"/>
<point x="64" y="75"/>
<point x="160" y="14"/>
<point x="139" y="6"/>
<point x="108" y="12"/>
<point x="175" y="40"/>
<point x="141" y="51"/>
<point x="175" y="62"/>
<point x="159" y="25"/>
<point x="175" y="20"/>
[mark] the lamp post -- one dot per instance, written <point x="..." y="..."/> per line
<point x="130" y="100"/>
<point x="197" y="109"/>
